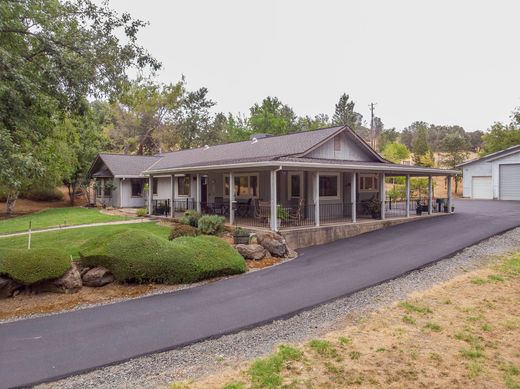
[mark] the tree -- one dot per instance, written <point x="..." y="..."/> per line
<point x="313" y="123"/>
<point x="234" y="128"/>
<point x="475" y="140"/>
<point x="456" y="148"/>
<point x="396" y="152"/>
<point x="53" y="55"/>
<point x="387" y="136"/>
<point x="420" y="146"/>
<point x="500" y="137"/>
<point x="344" y="114"/>
<point x="272" y="117"/>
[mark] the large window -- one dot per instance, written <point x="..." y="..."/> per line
<point x="246" y="185"/>
<point x="329" y="186"/>
<point x="137" y="187"/>
<point x="183" y="186"/>
<point x="295" y="185"/>
<point x="104" y="183"/>
<point x="368" y="183"/>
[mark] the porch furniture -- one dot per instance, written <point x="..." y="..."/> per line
<point x="261" y="210"/>
<point x="243" y="207"/>
<point x="218" y="207"/>
<point x="296" y="213"/>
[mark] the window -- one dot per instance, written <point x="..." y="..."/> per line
<point x="329" y="185"/>
<point x="246" y="185"/>
<point x="295" y="185"/>
<point x="108" y="188"/>
<point x="137" y="188"/>
<point x="183" y="186"/>
<point x="99" y="188"/>
<point x="155" y="184"/>
<point x="105" y="184"/>
<point x="368" y="183"/>
<point x="337" y="143"/>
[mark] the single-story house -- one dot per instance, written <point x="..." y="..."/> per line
<point x="495" y="176"/>
<point x="307" y="178"/>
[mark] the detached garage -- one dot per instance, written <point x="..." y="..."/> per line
<point x="495" y="176"/>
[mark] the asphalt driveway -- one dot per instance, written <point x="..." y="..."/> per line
<point x="51" y="347"/>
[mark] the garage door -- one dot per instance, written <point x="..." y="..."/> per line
<point x="482" y="188"/>
<point x="509" y="182"/>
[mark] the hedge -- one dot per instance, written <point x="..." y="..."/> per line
<point x="211" y="224"/>
<point x="138" y="256"/>
<point x="31" y="266"/>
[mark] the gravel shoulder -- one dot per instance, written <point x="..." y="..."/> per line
<point x="198" y="360"/>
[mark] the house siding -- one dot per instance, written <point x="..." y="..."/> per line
<point x="349" y="150"/>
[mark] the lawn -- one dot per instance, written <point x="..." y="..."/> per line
<point x="54" y="217"/>
<point x="71" y="240"/>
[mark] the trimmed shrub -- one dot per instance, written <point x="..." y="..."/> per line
<point x="179" y="230"/>
<point x="141" y="212"/>
<point x="139" y="256"/>
<point x="191" y="218"/>
<point x="211" y="224"/>
<point x="31" y="266"/>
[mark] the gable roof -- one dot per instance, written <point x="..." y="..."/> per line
<point x="493" y="156"/>
<point x="263" y="149"/>
<point x="122" y="165"/>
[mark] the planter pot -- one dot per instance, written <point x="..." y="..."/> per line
<point x="241" y="239"/>
<point x="452" y="209"/>
<point x="418" y="211"/>
<point x="446" y="209"/>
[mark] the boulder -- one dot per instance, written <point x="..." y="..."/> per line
<point x="251" y="251"/>
<point x="273" y="243"/>
<point x="291" y="254"/>
<point x="9" y="287"/>
<point x="70" y="282"/>
<point x="98" y="276"/>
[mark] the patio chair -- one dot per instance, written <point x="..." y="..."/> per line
<point x="296" y="213"/>
<point x="261" y="210"/>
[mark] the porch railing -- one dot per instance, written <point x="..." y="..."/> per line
<point x="181" y="205"/>
<point x="161" y="207"/>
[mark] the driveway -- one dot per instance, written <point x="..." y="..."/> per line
<point x="51" y="347"/>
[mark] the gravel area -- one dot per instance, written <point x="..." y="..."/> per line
<point x="159" y="370"/>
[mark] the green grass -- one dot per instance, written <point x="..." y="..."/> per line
<point x="414" y="308"/>
<point x="323" y="347"/>
<point x="434" y="327"/>
<point x="71" y="240"/>
<point x="265" y="373"/>
<point x="408" y="320"/>
<point x="55" y="217"/>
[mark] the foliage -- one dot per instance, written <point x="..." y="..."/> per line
<point x="344" y="113"/>
<point x="191" y="218"/>
<point x="395" y="152"/>
<point x="139" y="256"/>
<point x="418" y="186"/>
<point x="53" y="56"/>
<point x="179" y="230"/>
<point x="374" y="207"/>
<point x="282" y="213"/>
<point x="43" y="194"/>
<point x="501" y="137"/>
<point x="272" y="117"/>
<point x="141" y="212"/>
<point x="211" y="224"/>
<point x="420" y="146"/>
<point x="265" y="373"/>
<point x="387" y="136"/>
<point x="31" y="266"/>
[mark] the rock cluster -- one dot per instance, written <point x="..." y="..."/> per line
<point x="268" y="244"/>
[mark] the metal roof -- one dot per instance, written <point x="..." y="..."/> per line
<point x="493" y="156"/>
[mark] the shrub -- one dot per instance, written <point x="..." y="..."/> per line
<point x="31" y="266"/>
<point x="191" y="218"/>
<point x="179" y="230"/>
<point x="140" y="256"/>
<point x="43" y="194"/>
<point x="141" y="212"/>
<point x="211" y="224"/>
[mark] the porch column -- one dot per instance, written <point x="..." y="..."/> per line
<point x="382" y="193"/>
<point x="231" y="198"/>
<point x="449" y="194"/>
<point x="430" y="195"/>
<point x="150" y="194"/>
<point x="172" y="195"/>
<point x="317" y="199"/>
<point x="198" y="194"/>
<point x="353" y="190"/>
<point x="274" y="215"/>
<point x="407" y="195"/>
<point x="121" y="180"/>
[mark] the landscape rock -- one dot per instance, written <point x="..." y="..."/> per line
<point x="9" y="287"/>
<point x="251" y="251"/>
<point x="273" y="243"/>
<point x="98" y="276"/>
<point x="70" y="282"/>
<point x="291" y="254"/>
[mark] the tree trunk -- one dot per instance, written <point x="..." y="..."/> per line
<point x="10" y="203"/>
<point x="72" y="191"/>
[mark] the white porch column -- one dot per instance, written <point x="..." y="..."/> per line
<point x="150" y="194"/>
<point x="121" y="180"/>
<point x="198" y="193"/>
<point x="317" y="198"/>
<point x="353" y="190"/>
<point x="382" y="194"/>
<point x="172" y="195"/>
<point x="449" y="194"/>
<point x="231" y="198"/>
<point x="274" y="215"/>
<point x="430" y="195"/>
<point x="407" y="195"/>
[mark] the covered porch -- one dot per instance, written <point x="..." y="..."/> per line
<point x="294" y="197"/>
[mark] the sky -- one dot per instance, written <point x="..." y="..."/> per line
<point x="443" y="62"/>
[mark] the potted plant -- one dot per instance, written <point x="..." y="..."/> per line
<point x="241" y="236"/>
<point x="281" y="214"/>
<point x="419" y="208"/>
<point x="374" y="208"/>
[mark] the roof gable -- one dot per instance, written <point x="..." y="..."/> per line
<point x="343" y="146"/>
<point x="494" y="156"/>
<point x="122" y="165"/>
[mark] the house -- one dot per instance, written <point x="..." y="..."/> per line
<point x="495" y="176"/>
<point x="312" y="178"/>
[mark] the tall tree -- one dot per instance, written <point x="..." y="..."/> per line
<point x="53" y="55"/>
<point x="420" y="147"/>
<point x="313" y="123"/>
<point x="501" y="136"/>
<point x="344" y="113"/>
<point x="395" y="152"/>
<point x="272" y="117"/>
<point x="456" y="148"/>
<point x="387" y="136"/>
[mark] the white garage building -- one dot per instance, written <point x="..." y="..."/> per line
<point x="495" y="176"/>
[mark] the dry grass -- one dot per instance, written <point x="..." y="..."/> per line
<point x="463" y="333"/>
